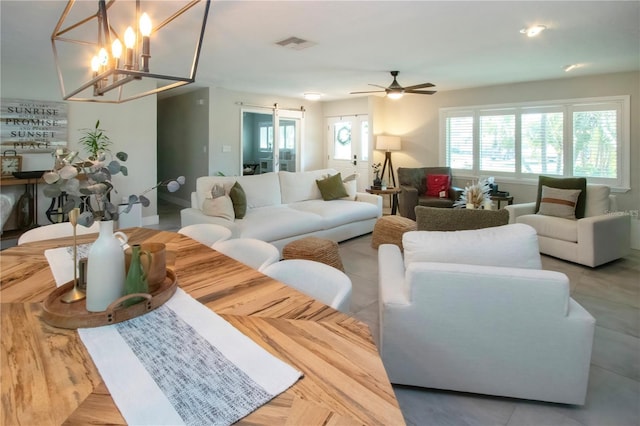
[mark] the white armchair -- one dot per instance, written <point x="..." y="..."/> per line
<point x="598" y="238"/>
<point x="472" y="311"/>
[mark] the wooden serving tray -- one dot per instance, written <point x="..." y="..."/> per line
<point x="75" y="315"/>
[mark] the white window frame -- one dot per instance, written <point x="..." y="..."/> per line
<point x="621" y="183"/>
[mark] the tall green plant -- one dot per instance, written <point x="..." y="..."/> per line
<point x="95" y="141"/>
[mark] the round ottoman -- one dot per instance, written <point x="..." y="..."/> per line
<point x="389" y="230"/>
<point x="313" y="248"/>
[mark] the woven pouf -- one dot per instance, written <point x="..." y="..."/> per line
<point x="313" y="248"/>
<point x="389" y="230"/>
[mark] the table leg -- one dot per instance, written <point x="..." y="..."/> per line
<point x="394" y="204"/>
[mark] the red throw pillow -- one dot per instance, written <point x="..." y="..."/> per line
<point x="438" y="185"/>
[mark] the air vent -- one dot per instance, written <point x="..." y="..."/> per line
<point x="295" y="43"/>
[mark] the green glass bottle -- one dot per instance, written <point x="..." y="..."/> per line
<point x="136" y="281"/>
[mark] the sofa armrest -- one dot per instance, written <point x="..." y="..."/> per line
<point x="194" y="201"/>
<point x="391" y="288"/>
<point x="604" y="237"/>
<point x="408" y="200"/>
<point x="374" y="199"/>
<point x="516" y="210"/>
<point x="455" y="193"/>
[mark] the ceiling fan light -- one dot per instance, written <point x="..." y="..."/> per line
<point x="533" y="30"/>
<point x="395" y="94"/>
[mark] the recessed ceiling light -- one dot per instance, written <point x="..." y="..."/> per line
<point x="571" y="67"/>
<point x="533" y="31"/>
<point x="312" y="96"/>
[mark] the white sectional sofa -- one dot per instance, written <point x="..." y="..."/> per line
<point x="285" y="206"/>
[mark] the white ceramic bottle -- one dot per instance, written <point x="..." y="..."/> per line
<point x="105" y="268"/>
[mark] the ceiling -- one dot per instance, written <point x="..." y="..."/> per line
<point x="453" y="44"/>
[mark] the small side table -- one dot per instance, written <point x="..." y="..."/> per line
<point x="500" y="198"/>
<point x="389" y="191"/>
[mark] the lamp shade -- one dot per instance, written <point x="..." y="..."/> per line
<point x="388" y="143"/>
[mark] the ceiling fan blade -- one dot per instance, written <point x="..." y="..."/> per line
<point x="370" y="91"/>
<point x="421" y="92"/>
<point x="419" y="86"/>
<point x="377" y="85"/>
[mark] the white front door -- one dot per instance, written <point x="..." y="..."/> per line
<point x="348" y="147"/>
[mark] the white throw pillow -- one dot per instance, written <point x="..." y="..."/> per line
<point x="559" y="202"/>
<point x="597" y="201"/>
<point x="514" y="245"/>
<point x="219" y="207"/>
<point x="351" y="188"/>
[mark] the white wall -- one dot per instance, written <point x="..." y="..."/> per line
<point x="224" y="129"/>
<point x="415" y="119"/>
<point x="131" y="126"/>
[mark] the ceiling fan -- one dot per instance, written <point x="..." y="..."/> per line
<point x="395" y="91"/>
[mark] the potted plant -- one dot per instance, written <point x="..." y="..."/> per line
<point x="87" y="182"/>
<point x="377" y="182"/>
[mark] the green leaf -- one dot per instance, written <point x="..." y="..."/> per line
<point x="114" y="167"/>
<point x="86" y="219"/>
<point x="110" y="207"/>
<point x="68" y="206"/>
<point x="51" y="191"/>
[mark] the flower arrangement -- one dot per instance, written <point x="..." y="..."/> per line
<point x="476" y="194"/>
<point x="87" y="182"/>
<point x="376" y="169"/>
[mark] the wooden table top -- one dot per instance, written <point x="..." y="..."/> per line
<point x="386" y="191"/>
<point x="48" y="376"/>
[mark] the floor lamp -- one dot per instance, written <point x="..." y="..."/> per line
<point x="388" y="144"/>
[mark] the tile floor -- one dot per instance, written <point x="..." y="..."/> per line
<point x="611" y="293"/>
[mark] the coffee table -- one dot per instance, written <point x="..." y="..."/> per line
<point x="49" y="378"/>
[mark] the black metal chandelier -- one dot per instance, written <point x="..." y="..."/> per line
<point x="113" y="64"/>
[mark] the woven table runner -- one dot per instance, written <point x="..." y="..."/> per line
<point x="183" y="364"/>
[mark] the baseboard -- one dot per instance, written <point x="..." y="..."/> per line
<point x="150" y="220"/>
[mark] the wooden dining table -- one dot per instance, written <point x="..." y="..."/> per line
<point x="48" y="377"/>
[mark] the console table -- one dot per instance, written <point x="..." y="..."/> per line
<point x="31" y="187"/>
<point x="49" y="378"/>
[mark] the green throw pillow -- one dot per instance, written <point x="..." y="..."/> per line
<point x="239" y="200"/>
<point x="565" y="183"/>
<point x="332" y="188"/>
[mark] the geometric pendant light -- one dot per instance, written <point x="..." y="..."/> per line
<point x="119" y="50"/>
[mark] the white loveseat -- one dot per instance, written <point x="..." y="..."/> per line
<point x="598" y="238"/>
<point x="285" y="206"/>
<point x="472" y="311"/>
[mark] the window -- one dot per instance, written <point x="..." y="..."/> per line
<point x="580" y="137"/>
<point x="266" y="136"/>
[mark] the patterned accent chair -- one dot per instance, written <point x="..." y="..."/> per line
<point x="413" y="189"/>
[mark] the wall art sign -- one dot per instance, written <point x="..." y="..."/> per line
<point x="33" y="126"/>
